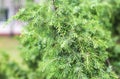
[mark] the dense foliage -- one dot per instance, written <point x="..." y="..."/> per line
<point x="68" y="39"/>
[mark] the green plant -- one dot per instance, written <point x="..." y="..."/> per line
<point x="9" y="69"/>
<point x="68" y="39"/>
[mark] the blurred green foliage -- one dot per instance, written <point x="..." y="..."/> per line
<point x="9" y="69"/>
<point x="68" y="40"/>
<point x="115" y="56"/>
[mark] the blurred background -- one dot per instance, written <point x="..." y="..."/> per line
<point x="8" y="8"/>
<point x="11" y="61"/>
<point x="12" y="65"/>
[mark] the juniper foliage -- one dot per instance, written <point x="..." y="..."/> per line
<point x="67" y="39"/>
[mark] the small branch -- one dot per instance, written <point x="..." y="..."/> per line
<point x="108" y="62"/>
<point x="54" y="7"/>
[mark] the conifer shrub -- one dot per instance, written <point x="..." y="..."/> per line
<point x="68" y="39"/>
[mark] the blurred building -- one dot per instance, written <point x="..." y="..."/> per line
<point x="8" y="8"/>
